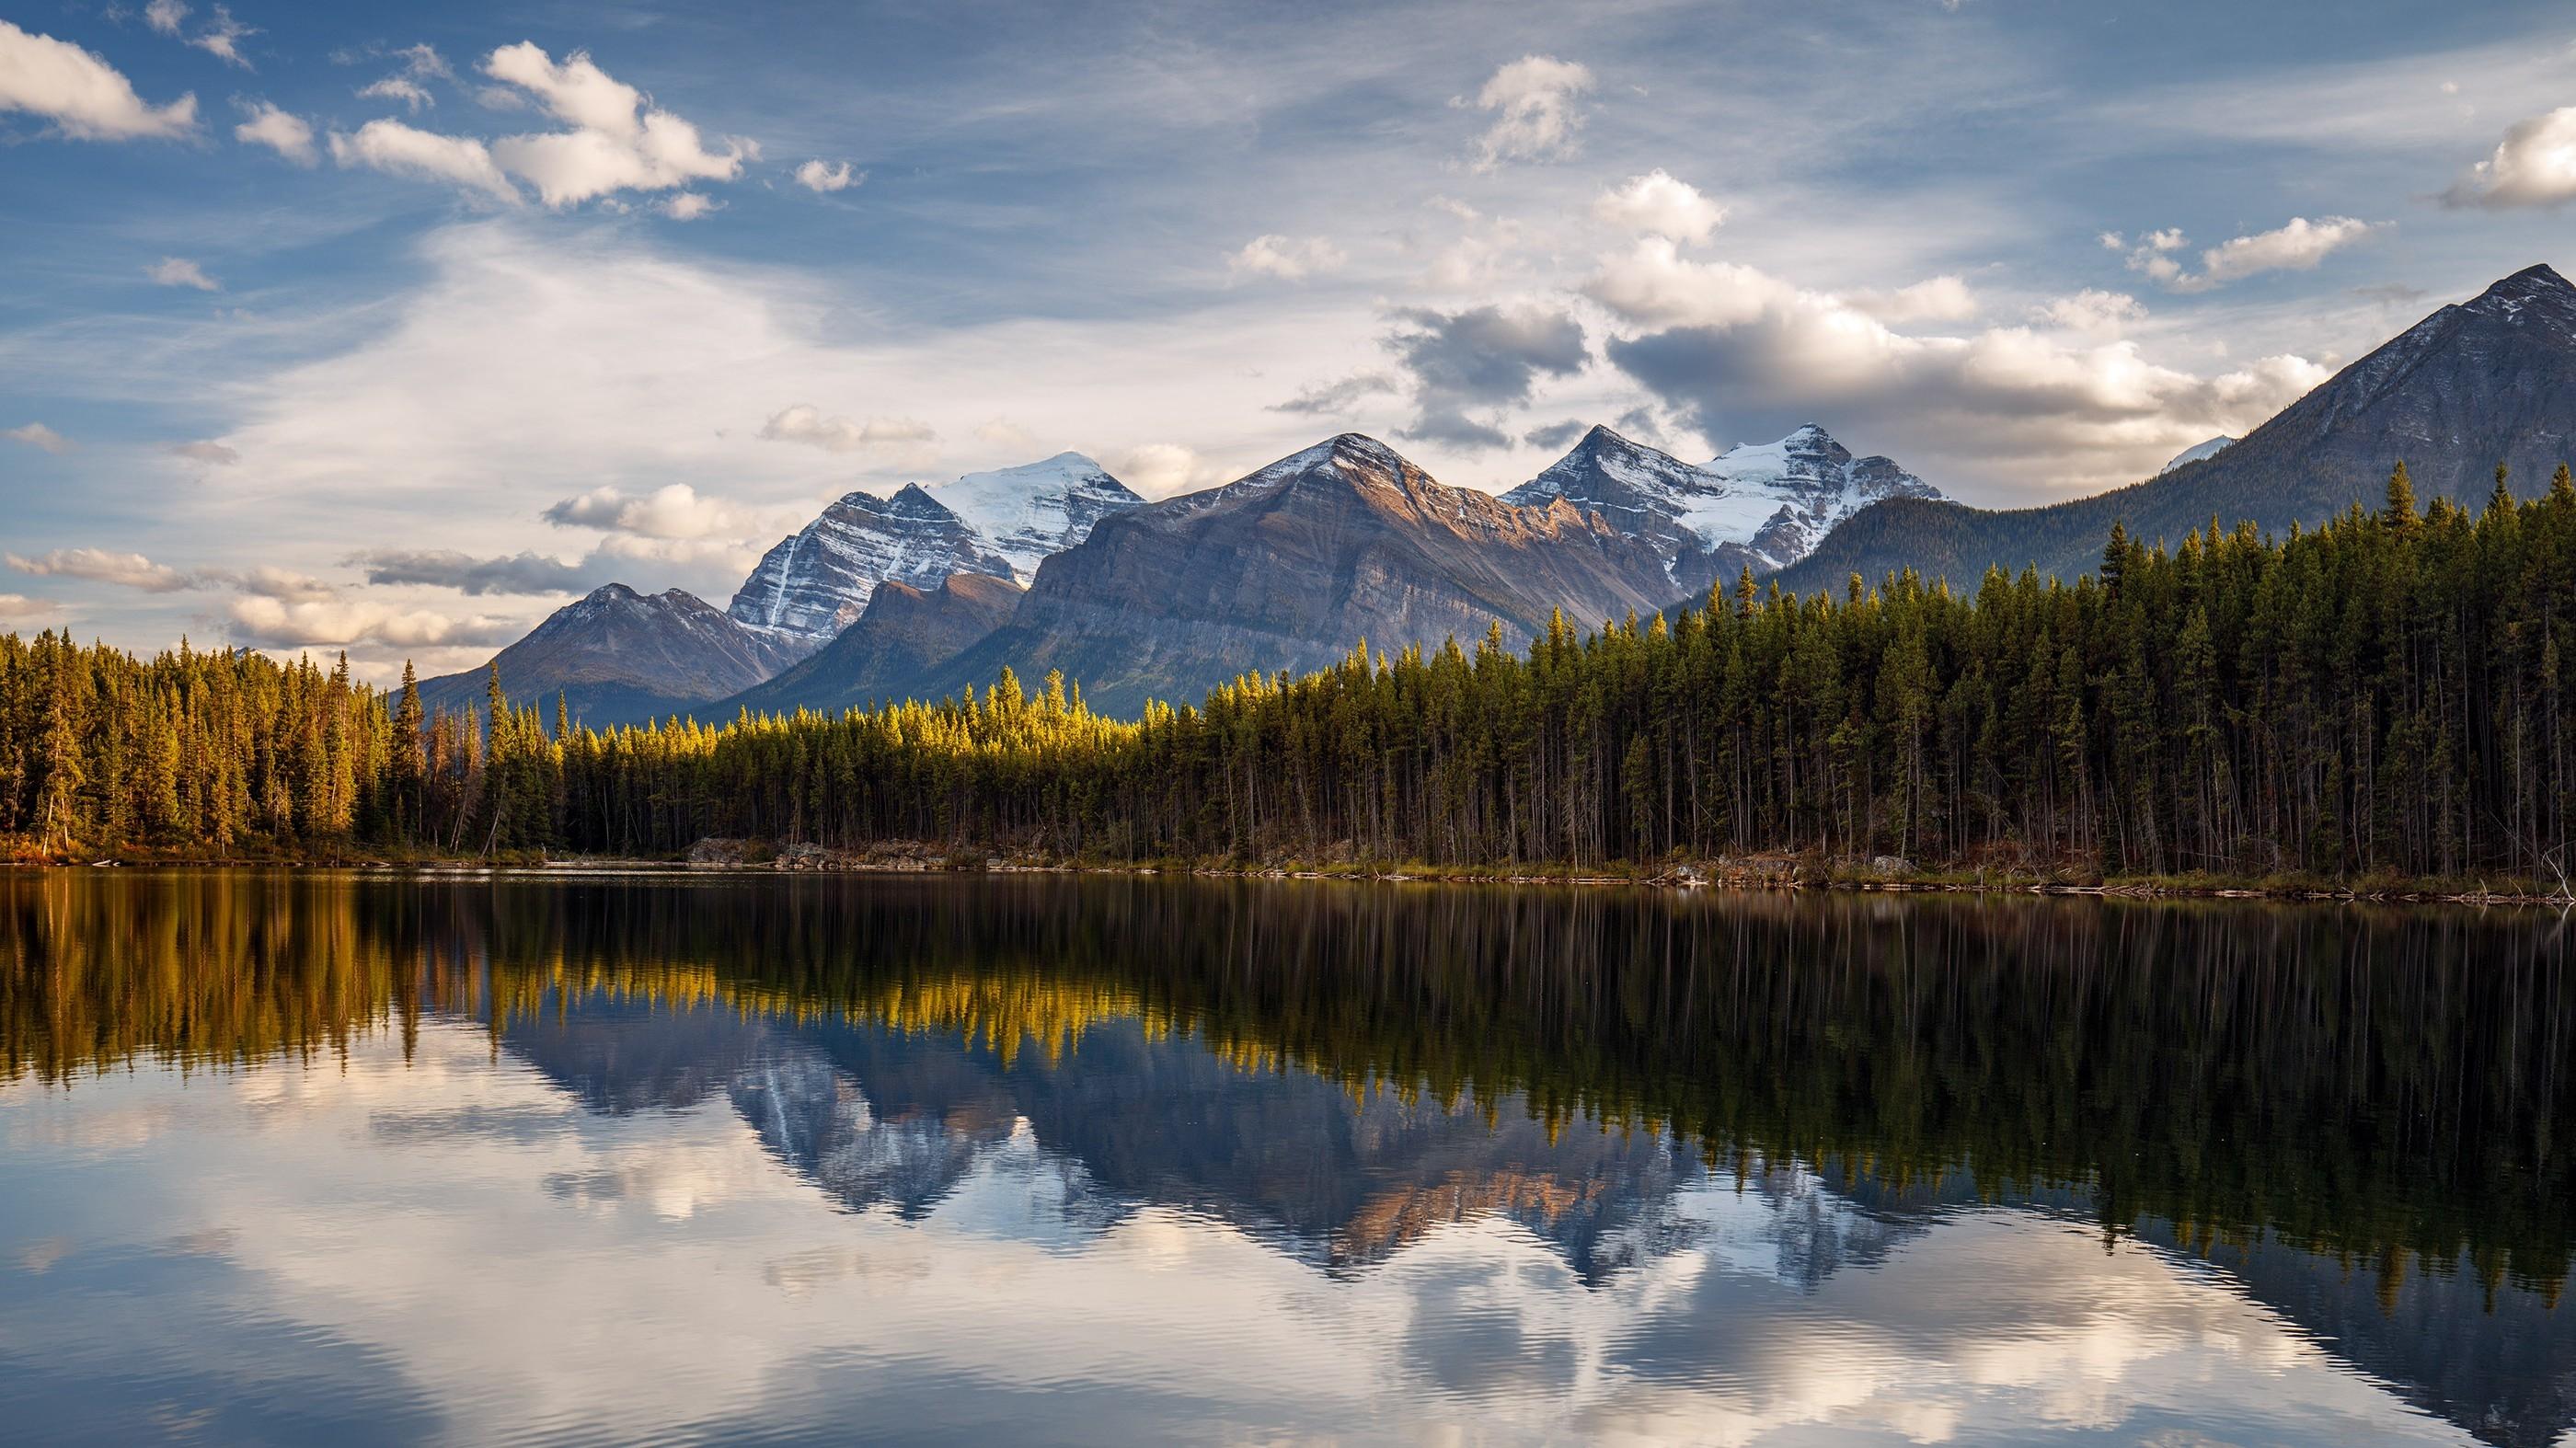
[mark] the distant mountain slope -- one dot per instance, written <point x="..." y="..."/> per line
<point x="816" y="581"/>
<point x="2197" y="452"/>
<point x="2475" y="384"/>
<point x="1758" y="505"/>
<point x="904" y="634"/>
<point x="621" y="657"/>
<point x="1028" y="512"/>
<point x="1290" y="566"/>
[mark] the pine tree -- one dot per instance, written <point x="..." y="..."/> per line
<point x="2400" y="514"/>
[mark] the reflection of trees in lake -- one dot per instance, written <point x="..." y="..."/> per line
<point x="2356" y="1082"/>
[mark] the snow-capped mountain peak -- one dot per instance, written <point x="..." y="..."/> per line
<point x="816" y="581"/>
<point x="1758" y="505"/>
<point x="1027" y="512"/>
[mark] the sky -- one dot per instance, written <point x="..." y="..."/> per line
<point x="388" y="329"/>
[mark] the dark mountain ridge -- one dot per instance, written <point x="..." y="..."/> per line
<point x="622" y="657"/>
<point x="905" y="633"/>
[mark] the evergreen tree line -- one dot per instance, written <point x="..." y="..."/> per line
<point x="2386" y="694"/>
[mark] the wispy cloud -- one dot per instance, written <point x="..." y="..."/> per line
<point x="178" y="271"/>
<point x="37" y="435"/>
<point x="1536" y="102"/>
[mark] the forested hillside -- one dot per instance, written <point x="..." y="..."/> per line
<point x="2387" y="694"/>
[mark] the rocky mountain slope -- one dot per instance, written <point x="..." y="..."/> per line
<point x="904" y="634"/>
<point x="818" y="579"/>
<point x="2488" y="381"/>
<point x="1292" y="565"/>
<point x="622" y="657"/>
<point x="1762" y="506"/>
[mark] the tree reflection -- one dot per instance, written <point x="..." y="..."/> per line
<point x="2366" y="1083"/>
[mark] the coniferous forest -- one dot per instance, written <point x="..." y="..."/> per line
<point x="2389" y="695"/>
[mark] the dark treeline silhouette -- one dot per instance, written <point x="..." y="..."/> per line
<point x="2375" y="1083"/>
<point x="2387" y="694"/>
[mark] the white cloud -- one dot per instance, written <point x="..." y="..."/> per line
<point x="1726" y="341"/>
<point x="222" y="37"/>
<point x="281" y="623"/>
<point x="2092" y="311"/>
<point x="672" y="512"/>
<point x="37" y="435"/>
<point x="1535" y="99"/>
<point x="725" y="559"/>
<point x="401" y="88"/>
<point x="1939" y="299"/>
<point x="619" y="141"/>
<point x="814" y="175"/>
<point x="2535" y="165"/>
<point x="2298" y="246"/>
<point x="805" y="423"/>
<point x="2152" y="254"/>
<point x="80" y="93"/>
<point x="267" y="580"/>
<point x="18" y="608"/>
<point x="399" y="150"/>
<point x="1002" y="432"/>
<point x="1658" y="205"/>
<point x="206" y="451"/>
<point x="1162" y="469"/>
<point x="531" y="362"/>
<point x="1285" y="258"/>
<point x="689" y="206"/>
<point x="280" y="131"/>
<point x="1655" y="285"/>
<point x="125" y="570"/>
<point x="420" y="64"/>
<point x="178" y="271"/>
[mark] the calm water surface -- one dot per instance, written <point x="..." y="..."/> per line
<point x="306" y="1159"/>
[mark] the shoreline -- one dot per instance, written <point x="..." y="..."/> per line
<point x="1770" y="876"/>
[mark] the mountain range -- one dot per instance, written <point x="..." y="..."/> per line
<point x="1057" y="565"/>
<point x="1292" y="565"/>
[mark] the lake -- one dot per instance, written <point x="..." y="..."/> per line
<point x="299" y="1157"/>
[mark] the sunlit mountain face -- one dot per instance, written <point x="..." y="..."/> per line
<point x="976" y="1157"/>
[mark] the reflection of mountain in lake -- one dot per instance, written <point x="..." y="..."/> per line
<point x="2497" y="1359"/>
<point x="878" y="1117"/>
<point x="1796" y="1089"/>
